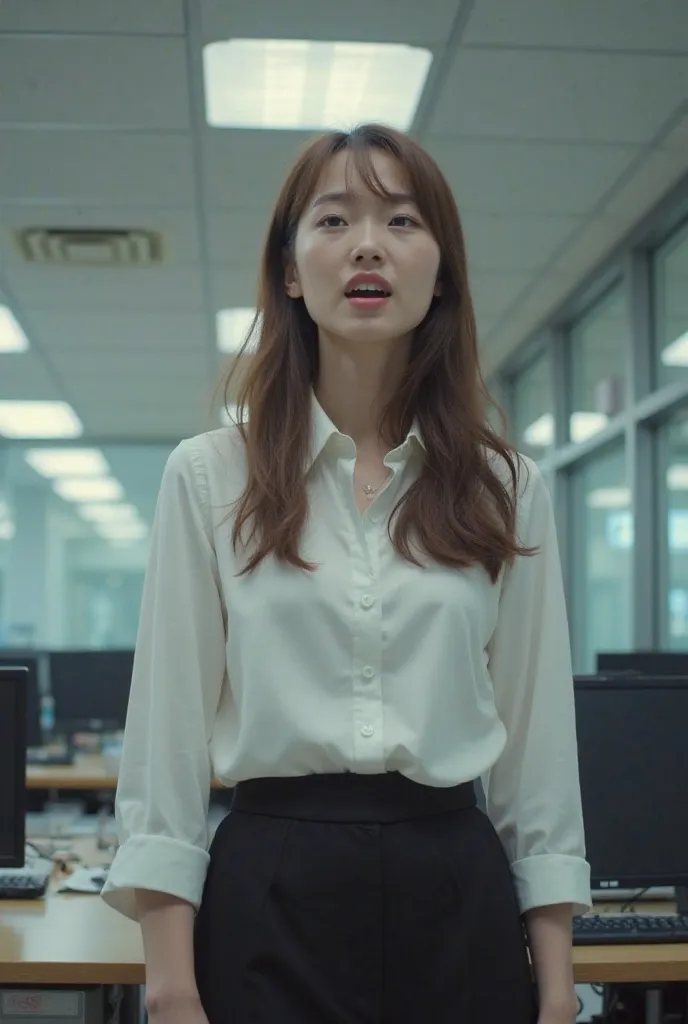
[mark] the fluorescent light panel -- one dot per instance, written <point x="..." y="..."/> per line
<point x="540" y="433"/>
<point x="39" y="420"/>
<point x="72" y="462"/>
<point x="88" y="489"/>
<point x="677" y="477"/>
<point x="609" y="497"/>
<point x="7" y="529"/>
<point x="12" y="337"/>
<point x="304" y="84"/>
<point x="109" y="513"/>
<point x="585" y="424"/>
<point x="233" y="327"/>
<point x="676" y="353"/>
<point x="122" y="531"/>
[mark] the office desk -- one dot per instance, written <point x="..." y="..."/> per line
<point x="68" y="939"/>
<point x="77" y="940"/>
<point x="87" y="772"/>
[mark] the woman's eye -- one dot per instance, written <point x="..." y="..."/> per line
<point x="409" y="221"/>
<point x="333" y="220"/>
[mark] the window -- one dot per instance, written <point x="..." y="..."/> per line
<point x="671" y="309"/>
<point x="533" y="408"/>
<point x="673" y="462"/>
<point x="74" y="535"/>
<point x="603" y="539"/>
<point x="598" y="347"/>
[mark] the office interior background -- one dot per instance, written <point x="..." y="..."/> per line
<point x="135" y="187"/>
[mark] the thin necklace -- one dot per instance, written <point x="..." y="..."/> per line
<point x="371" y="491"/>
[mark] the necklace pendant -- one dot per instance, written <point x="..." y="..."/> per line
<point x="369" y="491"/>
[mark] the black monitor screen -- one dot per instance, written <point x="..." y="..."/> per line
<point x="29" y="661"/>
<point x="12" y="766"/>
<point x="91" y="688"/>
<point x="633" y="753"/>
<point x="645" y="663"/>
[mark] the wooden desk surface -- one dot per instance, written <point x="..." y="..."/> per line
<point x="87" y="772"/>
<point x="69" y="938"/>
<point x="78" y="940"/>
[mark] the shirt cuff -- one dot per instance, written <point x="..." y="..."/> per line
<point x="546" y="879"/>
<point x="158" y="863"/>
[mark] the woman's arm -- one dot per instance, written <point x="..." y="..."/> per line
<point x="549" y="932"/>
<point x="167" y="928"/>
<point x="533" y="792"/>
<point x="179" y="667"/>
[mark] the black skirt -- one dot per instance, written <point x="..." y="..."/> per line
<point x="360" y="899"/>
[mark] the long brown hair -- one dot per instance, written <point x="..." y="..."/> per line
<point x="460" y="510"/>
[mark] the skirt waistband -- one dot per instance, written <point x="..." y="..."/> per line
<point x="350" y="797"/>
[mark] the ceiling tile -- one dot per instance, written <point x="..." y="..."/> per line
<point x="25" y="375"/>
<point x="556" y="96"/>
<point x="247" y="168"/>
<point x="123" y="332"/>
<point x="237" y="236"/>
<point x="102" y="82"/>
<point x="234" y="284"/>
<point x="131" y="16"/>
<point x="95" y="168"/>
<point x="406" y="21"/>
<point x="507" y="243"/>
<point x="98" y="289"/>
<point x="524" y="178"/>
<point x="614" y="24"/>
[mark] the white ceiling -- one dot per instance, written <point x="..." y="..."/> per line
<point x="558" y="125"/>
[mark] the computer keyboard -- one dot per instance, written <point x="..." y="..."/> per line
<point x="22" y="886"/>
<point x="615" y="929"/>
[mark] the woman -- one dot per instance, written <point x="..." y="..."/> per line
<point x="353" y="610"/>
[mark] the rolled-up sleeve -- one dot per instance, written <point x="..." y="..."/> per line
<point x="533" y="791"/>
<point x="179" y="667"/>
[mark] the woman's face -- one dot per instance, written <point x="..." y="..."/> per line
<point x="366" y="267"/>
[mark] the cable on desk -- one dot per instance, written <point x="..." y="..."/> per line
<point x="629" y="906"/>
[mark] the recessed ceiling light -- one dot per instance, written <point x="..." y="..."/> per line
<point x="88" y="489"/>
<point x="586" y="424"/>
<point x="121" y="531"/>
<point x="233" y="328"/>
<point x="7" y="529"/>
<point x="676" y="354"/>
<point x="308" y="85"/>
<point x="677" y="477"/>
<point x="609" y="497"/>
<point x="54" y="462"/>
<point x="12" y="337"/>
<point x="39" y="420"/>
<point x="540" y="433"/>
<point x="109" y="513"/>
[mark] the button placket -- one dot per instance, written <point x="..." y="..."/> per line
<point x="367" y="682"/>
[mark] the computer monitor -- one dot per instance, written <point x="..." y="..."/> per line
<point x="633" y="756"/>
<point x="646" y="663"/>
<point x="90" y="688"/>
<point x="29" y="661"/>
<point x="13" y="687"/>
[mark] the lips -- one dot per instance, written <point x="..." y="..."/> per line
<point x="368" y="286"/>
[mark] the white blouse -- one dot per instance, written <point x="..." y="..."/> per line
<point x="369" y="664"/>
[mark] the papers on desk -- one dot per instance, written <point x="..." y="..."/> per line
<point x="86" y="880"/>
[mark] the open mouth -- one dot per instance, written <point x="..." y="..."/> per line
<point x="364" y="291"/>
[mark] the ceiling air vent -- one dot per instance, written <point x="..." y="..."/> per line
<point x="90" y="247"/>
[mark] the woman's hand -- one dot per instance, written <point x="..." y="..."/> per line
<point x="181" y="1009"/>
<point x="565" y="1012"/>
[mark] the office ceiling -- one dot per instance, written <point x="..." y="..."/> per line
<point x="557" y="124"/>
